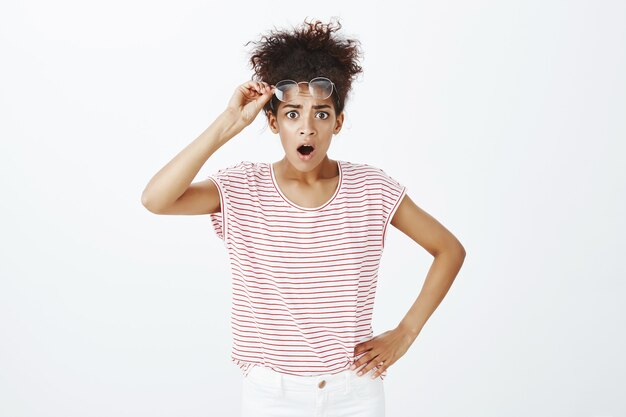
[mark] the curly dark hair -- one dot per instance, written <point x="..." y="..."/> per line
<point x="304" y="53"/>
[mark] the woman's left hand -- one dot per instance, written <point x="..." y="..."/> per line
<point x="387" y="348"/>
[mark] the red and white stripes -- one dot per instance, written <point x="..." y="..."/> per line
<point x="303" y="279"/>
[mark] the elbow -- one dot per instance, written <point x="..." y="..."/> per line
<point x="461" y="250"/>
<point x="454" y="249"/>
<point x="460" y="255"/>
<point x="454" y="246"/>
<point x="146" y="202"/>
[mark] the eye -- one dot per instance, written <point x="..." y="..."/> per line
<point x="326" y="115"/>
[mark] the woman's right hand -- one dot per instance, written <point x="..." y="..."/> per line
<point x="248" y="100"/>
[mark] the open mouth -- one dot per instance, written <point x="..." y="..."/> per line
<point x="305" y="151"/>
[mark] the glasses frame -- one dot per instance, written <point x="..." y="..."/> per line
<point x="333" y="88"/>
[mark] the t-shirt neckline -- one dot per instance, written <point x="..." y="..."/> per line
<point x="332" y="198"/>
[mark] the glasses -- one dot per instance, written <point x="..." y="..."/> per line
<point x="319" y="87"/>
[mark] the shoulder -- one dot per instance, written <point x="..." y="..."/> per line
<point x="359" y="168"/>
<point x="364" y="170"/>
<point x="241" y="169"/>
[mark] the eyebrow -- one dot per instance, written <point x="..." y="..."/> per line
<point x="299" y="106"/>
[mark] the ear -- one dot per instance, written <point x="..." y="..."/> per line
<point x="338" y="123"/>
<point x="271" y="121"/>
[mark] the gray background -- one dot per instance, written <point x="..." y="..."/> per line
<point x="505" y="120"/>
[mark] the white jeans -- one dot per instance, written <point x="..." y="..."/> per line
<point x="267" y="393"/>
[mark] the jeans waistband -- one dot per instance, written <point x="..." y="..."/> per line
<point x="342" y="380"/>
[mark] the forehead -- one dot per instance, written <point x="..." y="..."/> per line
<point x="303" y="90"/>
<point x="307" y="103"/>
<point x="305" y="99"/>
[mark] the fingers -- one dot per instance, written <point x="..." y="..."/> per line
<point x="260" y="87"/>
<point x="376" y="362"/>
<point x="249" y="98"/>
<point x="381" y="368"/>
<point x="369" y="364"/>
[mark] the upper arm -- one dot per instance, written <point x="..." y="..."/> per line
<point x="200" y="197"/>
<point x="423" y="228"/>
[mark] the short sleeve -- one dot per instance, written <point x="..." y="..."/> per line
<point x="392" y="193"/>
<point x="225" y="179"/>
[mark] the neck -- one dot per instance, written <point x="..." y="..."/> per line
<point x="326" y="169"/>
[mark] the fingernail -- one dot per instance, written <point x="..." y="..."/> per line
<point x="353" y="367"/>
<point x="360" y="373"/>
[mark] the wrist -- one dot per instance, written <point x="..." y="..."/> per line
<point x="408" y="331"/>
<point x="230" y="122"/>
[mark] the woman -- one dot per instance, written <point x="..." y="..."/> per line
<point x="305" y="235"/>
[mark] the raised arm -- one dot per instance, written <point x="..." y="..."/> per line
<point x="170" y="190"/>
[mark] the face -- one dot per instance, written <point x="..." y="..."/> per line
<point x="305" y="120"/>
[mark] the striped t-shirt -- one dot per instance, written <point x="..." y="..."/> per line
<point x="303" y="279"/>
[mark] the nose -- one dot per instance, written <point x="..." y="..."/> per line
<point x="306" y="128"/>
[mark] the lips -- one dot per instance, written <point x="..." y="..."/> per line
<point x="305" y="149"/>
<point x="305" y="153"/>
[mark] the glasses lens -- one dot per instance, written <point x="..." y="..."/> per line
<point x="286" y="90"/>
<point x="321" y="87"/>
